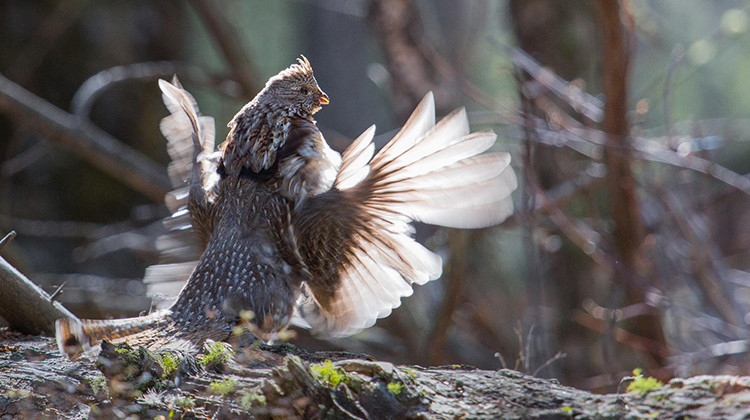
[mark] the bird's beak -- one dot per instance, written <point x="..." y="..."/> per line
<point x="323" y="99"/>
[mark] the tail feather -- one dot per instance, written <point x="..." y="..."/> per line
<point x="75" y="337"/>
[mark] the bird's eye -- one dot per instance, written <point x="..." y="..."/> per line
<point x="303" y="90"/>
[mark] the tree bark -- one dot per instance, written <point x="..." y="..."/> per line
<point x="25" y="306"/>
<point x="286" y="382"/>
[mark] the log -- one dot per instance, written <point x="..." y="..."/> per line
<point x="25" y="306"/>
<point x="275" y="382"/>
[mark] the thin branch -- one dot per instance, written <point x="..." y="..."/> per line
<point x="57" y="292"/>
<point x="95" y="85"/>
<point x="675" y="59"/>
<point x="590" y="142"/>
<point x="90" y="142"/>
<point x="50" y="228"/>
<point x="7" y="238"/>
<point x="623" y="336"/>
<point x="710" y="272"/>
<point x="588" y="105"/>
<point x="559" y="355"/>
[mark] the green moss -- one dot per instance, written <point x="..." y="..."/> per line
<point x="217" y="353"/>
<point x="411" y="373"/>
<point x="98" y="383"/>
<point x="328" y="373"/>
<point x="641" y="384"/>
<point x="128" y="355"/>
<point x="395" y="387"/>
<point x="123" y="350"/>
<point x="185" y="402"/>
<point x="19" y="393"/>
<point x="169" y="363"/>
<point x="222" y="388"/>
<point x="248" y="400"/>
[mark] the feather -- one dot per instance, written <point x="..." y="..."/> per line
<point x="354" y="167"/>
<point x="192" y="170"/>
<point x="420" y="121"/>
<point x="427" y="172"/>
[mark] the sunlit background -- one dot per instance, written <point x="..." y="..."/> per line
<point x="554" y="291"/>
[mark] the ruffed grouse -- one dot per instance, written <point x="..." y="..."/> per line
<point x="296" y="233"/>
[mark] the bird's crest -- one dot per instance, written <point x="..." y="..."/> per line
<point x="302" y="71"/>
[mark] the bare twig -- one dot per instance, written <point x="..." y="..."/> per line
<point x="7" y="238"/>
<point x="57" y="292"/>
<point x="559" y="355"/>
<point x="501" y="359"/>
<point x="623" y="336"/>
<point x="590" y="142"/>
<point x="588" y="105"/>
<point x="24" y="159"/>
<point x="25" y="306"/>
<point x="90" y="142"/>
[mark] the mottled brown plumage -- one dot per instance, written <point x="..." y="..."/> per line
<point x="290" y="230"/>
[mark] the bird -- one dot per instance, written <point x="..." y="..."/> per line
<point x="294" y="233"/>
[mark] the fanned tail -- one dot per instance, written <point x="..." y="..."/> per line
<point x="78" y="336"/>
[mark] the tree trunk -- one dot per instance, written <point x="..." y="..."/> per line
<point x="628" y="227"/>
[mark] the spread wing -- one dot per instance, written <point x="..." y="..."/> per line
<point x="357" y="239"/>
<point x="192" y="170"/>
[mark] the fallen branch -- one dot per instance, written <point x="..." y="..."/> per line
<point x="25" y="306"/>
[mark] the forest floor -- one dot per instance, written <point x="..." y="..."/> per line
<point x="287" y="382"/>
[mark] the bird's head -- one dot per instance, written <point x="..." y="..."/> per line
<point x="295" y="89"/>
<point x="276" y="124"/>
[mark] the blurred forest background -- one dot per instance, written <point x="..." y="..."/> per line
<point x="628" y="122"/>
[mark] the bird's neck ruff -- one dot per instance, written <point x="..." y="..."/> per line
<point x="256" y="134"/>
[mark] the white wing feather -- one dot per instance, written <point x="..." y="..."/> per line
<point x="427" y="172"/>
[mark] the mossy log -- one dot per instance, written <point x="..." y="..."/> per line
<point x="278" y="382"/>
